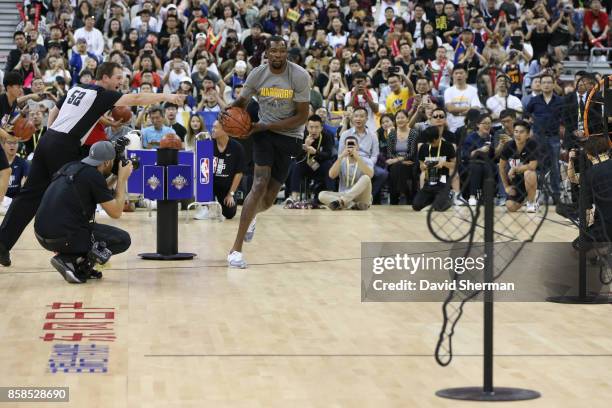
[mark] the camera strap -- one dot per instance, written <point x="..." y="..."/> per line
<point x="70" y="171"/>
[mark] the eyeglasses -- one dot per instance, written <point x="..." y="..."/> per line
<point x="12" y="143"/>
<point x="438" y="116"/>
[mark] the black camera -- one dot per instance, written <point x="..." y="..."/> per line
<point x="120" y="144"/>
<point x="99" y="253"/>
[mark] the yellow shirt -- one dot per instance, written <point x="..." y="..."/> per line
<point x="396" y="103"/>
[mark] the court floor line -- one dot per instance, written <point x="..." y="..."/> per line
<point x="360" y="355"/>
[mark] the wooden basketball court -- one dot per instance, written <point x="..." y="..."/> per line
<point x="290" y="331"/>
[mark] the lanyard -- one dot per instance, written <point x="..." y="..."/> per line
<point x="439" y="78"/>
<point x="348" y="173"/>
<point x="318" y="147"/>
<point x="36" y="138"/>
<point x="439" y="146"/>
<point x="580" y="123"/>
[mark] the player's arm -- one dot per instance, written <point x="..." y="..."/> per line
<point x="300" y="117"/>
<point x="532" y="165"/>
<point x="143" y="99"/>
<point x="241" y="102"/>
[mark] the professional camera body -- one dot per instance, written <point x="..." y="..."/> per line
<point x="99" y="254"/>
<point x="120" y="144"/>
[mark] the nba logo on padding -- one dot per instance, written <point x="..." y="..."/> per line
<point x="204" y="170"/>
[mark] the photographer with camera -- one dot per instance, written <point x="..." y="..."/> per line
<point x="65" y="221"/>
<point x="563" y="31"/>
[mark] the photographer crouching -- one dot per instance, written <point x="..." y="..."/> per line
<point x="65" y="221"/>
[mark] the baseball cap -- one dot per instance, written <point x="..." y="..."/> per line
<point x="438" y="1"/>
<point x="241" y="64"/>
<point x="99" y="153"/>
<point x="200" y="35"/>
<point x="81" y="40"/>
<point x="171" y="6"/>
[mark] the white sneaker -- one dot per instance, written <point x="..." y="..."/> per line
<point x="235" y="260"/>
<point x="531" y="207"/>
<point x="201" y="214"/>
<point x="472" y="202"/>
<point x="250" y="231"/>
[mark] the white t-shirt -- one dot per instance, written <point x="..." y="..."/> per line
<point x="467" y="97"/>
<point x="371" y="123"/>
<point x="496" y="104"/>
<point x="441" y="82"/>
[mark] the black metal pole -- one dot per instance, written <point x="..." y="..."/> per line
<point x="167" y="217"/>
<point x="489" y="219"/>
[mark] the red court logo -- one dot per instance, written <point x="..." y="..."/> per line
<point x="204" y="170"/>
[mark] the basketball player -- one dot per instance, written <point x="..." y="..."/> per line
<point x="69" y="125"/>
<point x="282" y="89"/>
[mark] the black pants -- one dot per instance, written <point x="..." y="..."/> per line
<point x="79" y="243"/>
<point x="437" y="196"/>
<point x="53" y="151"/>
<point x="302" y="170"/>
<point x="220" y="194"/>
<point x="402" y="181"/>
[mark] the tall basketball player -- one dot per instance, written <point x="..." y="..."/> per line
<point x="69" y="125"/>
<point x="282" y="89"/>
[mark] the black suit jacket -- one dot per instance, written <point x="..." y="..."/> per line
<point x="572" y="114"/>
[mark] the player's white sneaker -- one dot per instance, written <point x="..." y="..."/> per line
<point x="531" y="207"/>
<point x="250" y="231"/>
<point x="235" y="260"/>
<point x="472" y="202"/>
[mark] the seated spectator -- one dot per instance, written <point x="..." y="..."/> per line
<point x="114" y="130"/>
<point x="384" y="133"/>
<point x="459" y="98"/>
<point x="14" y="55"/>
<point x="234" y="78"/>
<point x="28" y="68"/>
<point x="596" y="25"/>
<point x="37" y="116"/>
<point x="563" y="32"/>
<point x="354" y="172"/>
<point x="477" y="153"/>
<point x="533" y="91"/>
<point x="437" y="162"/>
<point x="440" y="71"/>
<point x="78" y="59"/>
<point x="178" y="70"/>
<point x="228" y="167"/>
<point x="314" y="161"/>
<point x="401" y="159"/>
<point x="152" y="135"/>
<point x="521" y="182"/>
<point x="46" y="99"/>
<point x="361" y="96"/>
<point x="537" y="67"/>
<point x="211" y="102"/>
<point x="171" y="111"/>
<point x="56" y="67"/>
<point x="19" y="166"/>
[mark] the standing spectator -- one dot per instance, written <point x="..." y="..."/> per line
<point x="152" y="135"/>
<point x="545" y="111"/>
<point x="502" y="99"/>
<point x="93" y="36"/>
<point x="562" y="33"/>
<point x="459" y="98"/>
<point x="196" y="126"/>
<point x="540" y="37"/>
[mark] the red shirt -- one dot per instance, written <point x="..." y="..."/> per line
<point x="138" y="76"/>
<point x="590" y="19"/>
<point x="97" y="134"/>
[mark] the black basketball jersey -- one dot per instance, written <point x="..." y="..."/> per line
<point x="81" y="108"/>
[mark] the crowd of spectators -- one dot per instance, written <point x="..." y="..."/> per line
<point x="381" y="72"/>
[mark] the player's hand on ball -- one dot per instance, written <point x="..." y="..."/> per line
<point x="510" y="191"/>
<point x="125" y="170"/>
<point x="258" y="127"/>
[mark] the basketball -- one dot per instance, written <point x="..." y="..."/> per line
<point x="23" y="129"/>
<point x="236" y="122"/>
<point x="171" y="141"/>
<point x="122" y="113"/>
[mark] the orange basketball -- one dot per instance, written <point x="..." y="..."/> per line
<point x="236" y="122"/>
<point x="122" y="113"/>
<point x="171" y="141"/>
<point x="23" y="128"/>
